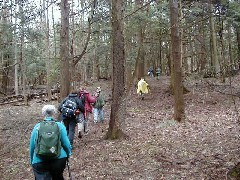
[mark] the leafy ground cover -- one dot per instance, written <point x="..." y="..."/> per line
<point x="204" y="146"/>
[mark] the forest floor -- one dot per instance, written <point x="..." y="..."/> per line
<point x="204" y="146"/>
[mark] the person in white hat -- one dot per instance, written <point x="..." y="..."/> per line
<point x="98" y="106"/>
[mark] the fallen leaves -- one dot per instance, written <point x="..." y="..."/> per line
<point x="204" y="146"/>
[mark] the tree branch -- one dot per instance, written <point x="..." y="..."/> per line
<point x="77" y="58"/>
<point x="11" y="65"/>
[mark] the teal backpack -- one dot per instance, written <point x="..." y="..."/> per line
<point x="48" y="143"/>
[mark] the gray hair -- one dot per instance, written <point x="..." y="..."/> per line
<point x="49" y="110"/>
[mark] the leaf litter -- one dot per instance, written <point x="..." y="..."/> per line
<point x="204" y="146"/>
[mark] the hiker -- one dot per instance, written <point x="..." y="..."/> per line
<point x="98" y="106"/>
<point x="158" y="72"/>
<point x="44" y="166"/>
<point x="88" y="101"/>
<point x="71" y="107"/>
<point x="142" y="87"/>
<point x="150" y="72"/>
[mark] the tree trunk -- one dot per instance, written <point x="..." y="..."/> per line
<point x="238" y="46"/>
<point x="16" y="87"/>
<point x="96" y="63"/>
<point x="141" y="52"/>
<point x="118" y="107"/>
<point x="64" y="50"/>
<point x="177" y="64"/>
<point x="203" y="56"/>
<point x="215" y="61"/>
<point x="221" y="48"/>
<point x="4" y="54"/>
<point x="22" y="58"/>
<point x="54" y="36"/>
<point x="47" y="48"/>
<point x="229" y="37"/>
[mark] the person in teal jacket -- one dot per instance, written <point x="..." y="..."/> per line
<point x="50" y="169"/>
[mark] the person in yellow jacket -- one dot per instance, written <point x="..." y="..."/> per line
<point x="142" y="87"/>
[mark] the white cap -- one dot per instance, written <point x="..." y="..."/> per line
<point x="98" y="89"/>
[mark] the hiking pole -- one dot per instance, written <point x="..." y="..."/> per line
<point x="69" y="172"/>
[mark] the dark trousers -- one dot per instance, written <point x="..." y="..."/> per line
<point x="50" y="170"/>
<point x="70" y="125"/>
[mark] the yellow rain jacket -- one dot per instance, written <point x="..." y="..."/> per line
<point x="142" y="87"/>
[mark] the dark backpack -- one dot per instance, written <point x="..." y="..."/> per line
<point x="69" y="108"/>
<point x="48" y="143"/>
<point x="82" y="99"/>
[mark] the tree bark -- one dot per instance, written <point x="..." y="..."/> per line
<point x="177" y="64"/>
<point x="118" y="107"/>
<point x="47" y="47"/>
<point x="215" y="61"/>
<point x="64" y="50"/>
<point x="16" y="86"/>
<point x="22" y="58"/>
<point x="141" y="52"/>
<point x="203" y="56"/>
<point x="238" y="45"/>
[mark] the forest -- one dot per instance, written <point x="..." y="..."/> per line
<point x="187" y="126"/>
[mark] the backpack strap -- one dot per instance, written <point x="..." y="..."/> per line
<point x="49" y="119"/>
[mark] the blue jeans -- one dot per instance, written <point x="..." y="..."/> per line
<point x="49" y="170"/>
<point x="98" y="112"/>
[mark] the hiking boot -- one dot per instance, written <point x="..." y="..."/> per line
<point x="79" y="135"/>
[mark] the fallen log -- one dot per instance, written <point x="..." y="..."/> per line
<point x="10" y="102"/>
<point x="35" y="95"/>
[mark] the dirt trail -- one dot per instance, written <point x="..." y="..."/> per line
<point x="204" y="146"/>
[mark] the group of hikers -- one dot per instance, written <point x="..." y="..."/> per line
<point x="157" y="72"/>
<point x="52" y="140"/>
